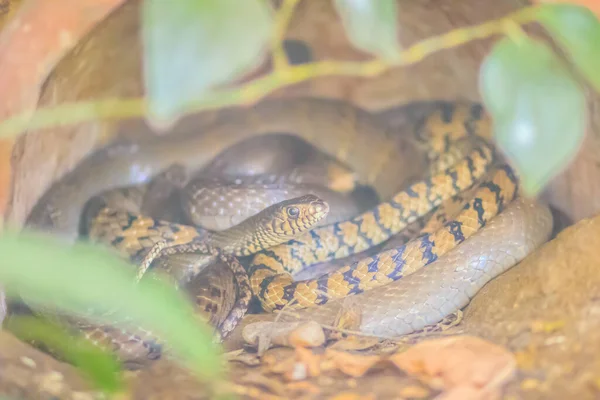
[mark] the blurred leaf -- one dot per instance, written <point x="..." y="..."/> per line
<point x="102" y="368"/>
<point x="371" y="26"/>
<point x="45" y="272"/>
<point x="191" y="46"/>
<point x="537" y="107"/>
<point x="577" y="30"/>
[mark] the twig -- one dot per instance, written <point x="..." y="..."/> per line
<point x="73" y="113"/>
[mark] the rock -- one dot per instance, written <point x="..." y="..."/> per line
<point x="547" y="311"/>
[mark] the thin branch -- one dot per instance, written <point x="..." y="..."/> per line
<point x="514" y="31"/>
<point x="251" y="92"/>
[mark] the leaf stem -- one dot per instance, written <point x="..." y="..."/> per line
<point x="514" y="32"/>
<point x="77" y="112"/>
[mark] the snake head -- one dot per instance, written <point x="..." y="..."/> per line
<point x="291" y="217"/>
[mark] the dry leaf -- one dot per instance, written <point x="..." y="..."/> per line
<point x="414" y="392"/>
<point x="303" y="386"/>
<point x="355" y="343"/>
<point x="469" y="393"/>
<point x="251" y="392"/>
<point x="261" y="380"/>
<point x="352" y="396"/>
<point x="278" y="366"/>
<point x="464" y="366"/>
<point x="240" y="356"/>
<point x="349" y="317"/>
<point x="354" y="365"/>
<point x="299" y="366"/>
<point x="310" y="359"/>
<point x="276" y="355"/>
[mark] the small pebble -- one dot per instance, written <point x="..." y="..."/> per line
<point x="299" y="373"/>
<point x="29" y="362"/>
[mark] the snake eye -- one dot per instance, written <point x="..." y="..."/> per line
<point x="293" y="212"/>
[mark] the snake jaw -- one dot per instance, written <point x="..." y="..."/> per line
<point x="312" y="210"/>
<point x="318" y="210"/>
<point x="289" y="218"/>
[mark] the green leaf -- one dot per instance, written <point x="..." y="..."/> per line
<point x="191" y="46"/>
<point x="371" y="26"/>
<point x="100" y="367"/>
<point x="47" y="273"/>
<point x="537" y="107"/>
<point x="577" y="30"/>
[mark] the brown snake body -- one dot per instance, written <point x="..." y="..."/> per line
<point x="353" y="136"/>
<point x="136" y="236"/>
<point x="427" y="296"/>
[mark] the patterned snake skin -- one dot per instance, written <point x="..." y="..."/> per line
<point x="384" y="159"/>
<point x="271" y="270"/>
<point x="143" y="240"/>
<point x="445" y="286"/>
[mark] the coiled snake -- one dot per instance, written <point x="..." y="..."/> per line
<point x="142" y="240"/>
<point x="380" y="157"/>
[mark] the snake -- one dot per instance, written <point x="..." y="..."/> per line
<point x="271" y="271"/>
<point x="427" y="296"/>
<point x="114" y="218"/>
<point x="380" y="164"/>
<point x="353" y="136"/>
<point x="124" y="164"/>
<point x="220" y="204"/>
<point x="137" y="236"/>
<point x="254" y="174"/>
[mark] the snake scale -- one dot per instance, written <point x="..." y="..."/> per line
<point x="427" y="296"/>
<point x="376" y="153"/>
<point x="128" y="230"/>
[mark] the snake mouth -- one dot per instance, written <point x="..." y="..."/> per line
<point x="318" y="209"/>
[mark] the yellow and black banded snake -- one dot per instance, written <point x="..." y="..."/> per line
<point x="408" y="170"/>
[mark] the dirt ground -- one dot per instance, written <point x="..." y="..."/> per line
<point x="539" y="322"/>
